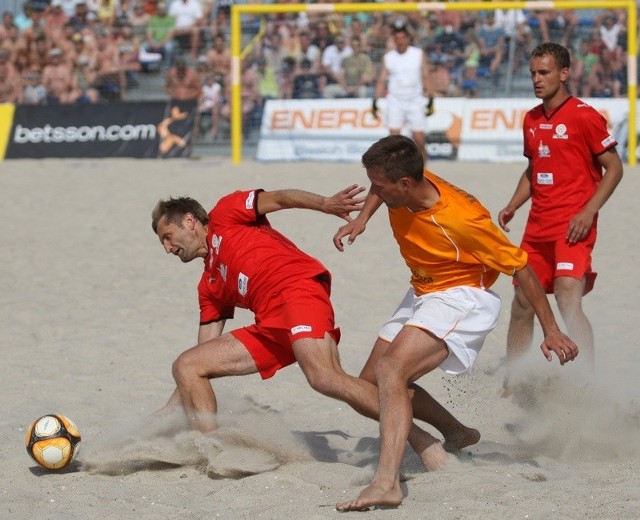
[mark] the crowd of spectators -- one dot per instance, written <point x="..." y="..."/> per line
<point x="85" y="51"/>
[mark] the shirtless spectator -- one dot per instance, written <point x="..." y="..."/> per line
<point x="110" y="78"/>
<point x="10" y="81"/>
<point x="54" y="21"/>
<point x="12" y="42"/>
<point x="249" y="93"/>
<point x="189" y="18"/>
<point x="563" y="20"/>
<point x="219" y="58"/>
<point x="84" y="49"/>
<point x="38" y="51"/>
<point x="182" y="82"/>
<point x="84" y="79"/>
<point x="57" y="78"/>
<point x="7" y="22"/>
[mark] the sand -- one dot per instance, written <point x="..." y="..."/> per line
<point x="92" y="314"/>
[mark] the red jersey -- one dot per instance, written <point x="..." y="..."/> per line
<point x="248" y="260"/>
<point x="563" y="147"/>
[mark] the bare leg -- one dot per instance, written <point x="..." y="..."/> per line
<point x="568" y="292"/>
<point x="425" y="407"/>
<point x="412" y="354"/>
<point x="420" y="140"/>
<point x="519" y="335"/>
<point x="222" y="356"/>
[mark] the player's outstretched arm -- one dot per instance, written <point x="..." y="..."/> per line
<point x="357" y="226"/>
<point x="341" y="204"/>
<point x="554" y="339"/>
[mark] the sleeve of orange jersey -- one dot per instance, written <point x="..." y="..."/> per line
<point x="489" y="245"/>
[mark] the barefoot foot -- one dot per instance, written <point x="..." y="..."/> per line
<point x="461" y="439"/>
<point x="373" y="495"/>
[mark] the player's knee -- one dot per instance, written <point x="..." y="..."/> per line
<point x="182" y="368"/>
<point x="321" y="382"/>
<point x="521" y="308"/>
<point x="387" y="368"/>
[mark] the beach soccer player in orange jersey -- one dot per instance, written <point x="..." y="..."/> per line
<point x="455" y="254"/>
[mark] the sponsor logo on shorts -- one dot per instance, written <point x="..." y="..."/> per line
<point x="301" y="328"/>
<point x="564" y="266"/>
<point x="249" y="202"/>
<point x="243" y="284"/>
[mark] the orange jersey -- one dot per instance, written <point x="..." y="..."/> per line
<point x="453" y="243"/>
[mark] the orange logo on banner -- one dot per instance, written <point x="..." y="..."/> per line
<point x="497" y="119"/>
<point x="323" y="119"/>
<point x="167" y="139"/>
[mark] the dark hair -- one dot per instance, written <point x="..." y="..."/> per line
<point x="559" y="53"/>
<point x="173" y="210"/>
<point x="397" y="156"/>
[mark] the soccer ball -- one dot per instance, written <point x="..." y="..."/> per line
<point x="53" y="441"/>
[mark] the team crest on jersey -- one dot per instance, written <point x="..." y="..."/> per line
<point x="249" y="202"/>
<point x="543" y="150"/>
<point x="215" y="242"/>
<point x="243" y="284"/>
<point x="222" y="269"/>
<point x="561" y="132"/>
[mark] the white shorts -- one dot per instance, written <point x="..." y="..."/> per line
<point x="406" y="111"/>
<point x="461" y="316"/>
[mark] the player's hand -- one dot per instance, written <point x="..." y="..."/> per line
<point x="504" y="217"/>
<point x="579" y="226"/>
<point x="374" y="108"/>
<point x="429" y="109"/>
<point x="561" y="344"/>
<point x="352" y="229"/>
<point x="344" y="202"/>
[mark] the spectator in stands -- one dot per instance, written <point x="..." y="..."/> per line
<point x="182" y="82"/>
<point x="470" y="64"/>
<point x="159" y="35"/>
<point x="517" y="33"/>
<point x="84" y="49"/>
<point x="607" y="77"/>
<point x="55" y="20"/>
<point x="11" y="41"/>
<point x="322" y="36"/>
<point x="38" y="51"/>
<point x="356" y="74"/>
<point x="57" y="78"/>
<point x="332" y="58"/>
<point x="307" y="84"/>
<point x="79" y="18"/>
<point x="129" y="47"/>
<point x="563" y="21"/>
<point x="23" y="19"/>
<point x="581" y="63"/>
<point x="10" y="80"/>
<point x="110" y="80"/>
<point x="33" y="92"/>
<point x="189" y="19"/>
<point x="251" y="103"/>
<point x="273" y="51"/>
<point x="106" y="12"/>
<point x="492" y="44"/>
<point x="612" y="33"/>
<point x="219" y="58"/>
<point x="84" y="78"/>
<point x="7" y="22"/>
<point x="139" y="19"/>
<point x="441" y="66"/>
<point x="308" y="50"/>
<point x="210" y="102"/>
<point x="267" y="80"/>
<point x="36" y="28"/>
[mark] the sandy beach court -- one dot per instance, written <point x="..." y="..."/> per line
<point x="93" y="313"/>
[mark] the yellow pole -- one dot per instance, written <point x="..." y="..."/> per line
<point x="632" y="50"/>
<point x="236" y="100"/>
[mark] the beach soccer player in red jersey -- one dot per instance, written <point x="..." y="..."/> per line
<point x="248" y="264"/>
<point x="568" y="145"/>
<point x="455" y="254"/>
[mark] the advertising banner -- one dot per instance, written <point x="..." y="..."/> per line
<point x="460" y="128"/>
<point x="152" y="129"/>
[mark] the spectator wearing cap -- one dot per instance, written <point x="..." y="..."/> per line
<point x="189" y="19"/>
<point x="404" y="76"/>
<point x="159" y="36"/>
<point x="57" y="78"/>
<point x="10" y="80"/>
<point x="83" y="49"/>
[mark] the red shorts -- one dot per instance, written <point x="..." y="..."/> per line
<point x="560" y="258"/>
<point x="302" y="310"/>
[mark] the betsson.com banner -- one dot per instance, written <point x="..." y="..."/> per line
<point x="466" y="129"/>
<point x="154" y="129"/>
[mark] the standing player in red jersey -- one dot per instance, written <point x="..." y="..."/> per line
<point x="568" y="146"/>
